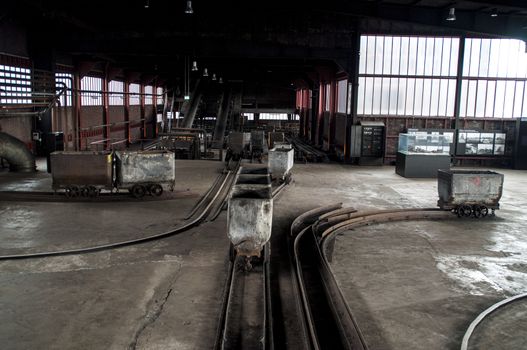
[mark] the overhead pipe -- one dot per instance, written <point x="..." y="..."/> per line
<point x="17" y="154"/>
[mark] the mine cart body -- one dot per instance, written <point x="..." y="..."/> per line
<point x="145" y="167"/>
<point x="276" y="138"/>
<point x="257" y="141"/>
<point x="250" y="211"/>
<point x="81" y="169"/>
<point x="469" y="187"/>
<point x="239" y="142"/>
<point x="281" y="161"/>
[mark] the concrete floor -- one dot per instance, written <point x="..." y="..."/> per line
<point x="411" y="285"/>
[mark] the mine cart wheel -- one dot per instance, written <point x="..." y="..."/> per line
<point x="84" y="191"/>
<point x="484" y="211"/>
<point x="72" y="191"/>
<point x="67" y="192"/>
<point x="288" y="179"/>
<point x="138" y="191"/>
<point x="464" y="210"/>
<point x="93" y="192"/>
<point x="156" y="190"/>
<point x="476" y="211"/>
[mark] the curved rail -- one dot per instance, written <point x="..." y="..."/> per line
<point x="196" y="221"/>
<point x="481" y="316"/>
<point x="327" y="313"/>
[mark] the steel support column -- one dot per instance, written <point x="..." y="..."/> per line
<point x="105" y="117"/>
<point x="353" y="79"/>
<point x="127" y="130"/>
<point x="457" y="101"/>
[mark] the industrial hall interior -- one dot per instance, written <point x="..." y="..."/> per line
<point x="273" y="175"/>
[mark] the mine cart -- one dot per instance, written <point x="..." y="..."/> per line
<point x="469" y="192"/>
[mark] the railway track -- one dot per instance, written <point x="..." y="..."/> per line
<point x="216" y="194"/>
<point x="305" y="152"/>
<point x="246" y="317"/>
<point x="50" y="196"/>
<point x="328" y="322"/>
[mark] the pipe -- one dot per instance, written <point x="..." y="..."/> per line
<point x="16" y="153"/>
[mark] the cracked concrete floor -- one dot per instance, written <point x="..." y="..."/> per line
<point x="422" y="280"/>
<point x="159" y="295"/>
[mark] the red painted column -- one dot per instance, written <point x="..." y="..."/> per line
<point x="105" y="117"/>
<point x="142" y="99"/>
<point x="127" y="130"/>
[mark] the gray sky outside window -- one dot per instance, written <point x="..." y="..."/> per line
<point x="416" y="76"/>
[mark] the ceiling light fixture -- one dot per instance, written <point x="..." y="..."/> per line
<point x="205" y="72"/>
<point x="494" y="13"/>
<point x="214" y="77"/>
<point x="220" y="80"/>
<point x="194" y="66"/>
<point x="189" y="9"/>
<point x="147" y="4"/>
<point x="451" y="14"/>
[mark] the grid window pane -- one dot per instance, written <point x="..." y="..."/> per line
<point x="135" y="97"/>
<point x="116" y="93"/>
<point x="149" y="90"/>
<point x="91" y="91"/>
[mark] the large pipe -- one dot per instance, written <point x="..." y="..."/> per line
<point x="16" y="154"/>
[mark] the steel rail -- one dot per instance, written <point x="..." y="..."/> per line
<point x="126" y="243"/>
<point x="312" y="233"/>
<point x="204" y="197"/>
<point x="223" y="202"/>
<point x="481" y="317"/>
<point x="245" y="319"/>
<point x="299" y="225"/>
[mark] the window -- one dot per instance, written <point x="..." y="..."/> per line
<point x="342" y="87"/>
<point x="15" y="85"/>
<point x="160" y="96"/>
<point x="149" y="99"/>
<point x="249" y="116"/>
<point x="91" y="91"/>
<point x="407" y="75"/>
<point x="295" y="117"/>
<point x="116" y="93"/>
<point x="135" y="97"/>
<point x="174" y="115"/>
<point x="273" y="116"/>
<point x="494" y="79"/>
<point x="64" y="80"/>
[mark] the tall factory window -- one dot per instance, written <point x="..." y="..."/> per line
<point x="494" y="79"/>
<point x="116" y="93"/>
<point x="342" y="91"/>
<point x="160" y="95"/>
<point x="64" y="81"/>
<point x="149" y="99"/>
<point x="412" y="76"/>
<point x="91" y="91"/>
<point x="135" y="97"/>
<point x="15" y="85"/>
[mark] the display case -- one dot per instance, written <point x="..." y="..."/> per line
<point x="421" y="154"/>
